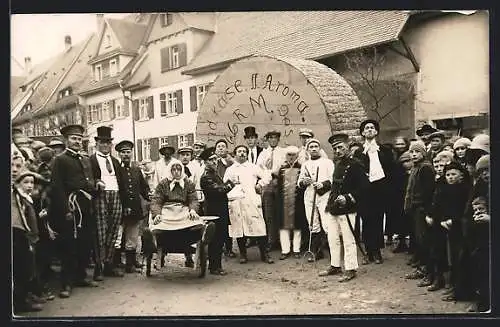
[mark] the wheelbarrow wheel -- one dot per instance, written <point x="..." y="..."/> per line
<point x="201" y="259"/>
<point x="149" y="261"/>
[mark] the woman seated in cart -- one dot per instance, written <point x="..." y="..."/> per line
<point x="174" y="221"/>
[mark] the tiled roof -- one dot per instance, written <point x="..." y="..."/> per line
<point x="129" y="34"/>
<point x="15" y="83"/>
<point x="92" y="85"/>
<point x="308" y="35"/>
<point x="200" y="20"/>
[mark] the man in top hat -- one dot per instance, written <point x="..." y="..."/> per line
<point x="436" y="144"/>
<point x="349" y="180"/>
<point x="305" y="135"/>
<point x="57" y="145"/>
<point x="111" y="193"/>
<point x="424" y="132"/>
<point x="160" y="166"/>
<point x="251" y="139"/>
<point x="378" y="162"/>
<point x="135" y="187"/>
<point x="216" y="204"/>
<point x="70" y="210"/>
<point x="271" y="159"/>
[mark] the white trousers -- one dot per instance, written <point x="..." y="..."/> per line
<point x="338" y="225"/>
<point x="285" y="240"/>
<point x="319" y="211"/>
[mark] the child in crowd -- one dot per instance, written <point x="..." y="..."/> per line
<point x="404" y="226"/>
<point x="418" y="205"/>
<point x="459" y="148"/>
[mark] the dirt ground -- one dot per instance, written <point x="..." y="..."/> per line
<point x="288" y="287"/>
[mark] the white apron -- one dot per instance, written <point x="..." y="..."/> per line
<point x="174" y="216"/>
<point x="245" y="213"/>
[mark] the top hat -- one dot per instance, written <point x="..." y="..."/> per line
<point x="73" y="130"/>
<point x="125" y="144"/>
<point x="338" y="138"/>
<point x="185" y="149"/>
<point x="425" y="129"/>
<point x="103" y="133"/>
<point x="273" y="132"/>
<point x="369" y="121"/>
<point x="249" y="132"/>
<point x="306" y="132"/>
<point x="208" y="153"/>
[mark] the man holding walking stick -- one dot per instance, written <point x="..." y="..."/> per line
<point x="317" y="169"/>
<point x="349" y="179"/>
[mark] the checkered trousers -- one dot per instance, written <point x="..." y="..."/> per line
<point x="109" y="218"/>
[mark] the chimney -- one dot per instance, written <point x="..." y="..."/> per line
<point x="67" y="42"/>
<point x="27" y="66"/>
<point x="100" y="21"/>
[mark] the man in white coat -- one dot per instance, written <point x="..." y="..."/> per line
<point x="316" y="176"/>
<point x="305" y="135"/>
<point x="245" y="204"/>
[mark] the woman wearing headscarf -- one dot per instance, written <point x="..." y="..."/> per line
<point x="174" y="207"/>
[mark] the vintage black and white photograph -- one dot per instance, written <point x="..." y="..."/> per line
<point x="258" y="163"/>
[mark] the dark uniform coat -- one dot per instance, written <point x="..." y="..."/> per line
<point x="215" y="191"/>
<point x="135" y="187"/>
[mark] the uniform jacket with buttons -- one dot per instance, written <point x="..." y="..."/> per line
<point x="134" y="186"/>
<point x="70" y="172"/>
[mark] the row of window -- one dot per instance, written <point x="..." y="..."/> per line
<point x="106" y="68"/>
<point x="148" y="149"/>
<point x="107" y="110"/>
<point x="51" y="125"/>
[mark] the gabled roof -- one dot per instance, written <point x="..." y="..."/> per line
<point x="129" y="34"/>
<point x="200" y="20"/>
<point x="138" y="74"/>
<point x="15" y="84"/>
<point x="308" y="35"/>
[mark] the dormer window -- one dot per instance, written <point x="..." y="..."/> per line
<point x="65" y="93"/>
<point x="27" y="108"/>
<point x="165" y="19"/>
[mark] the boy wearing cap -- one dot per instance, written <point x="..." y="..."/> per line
<point x="216" y="204"/>
<point x="436" y="143"/>
<point x="424" y="132"/>
<point x="24" y="238"/>
<point x="316" y="177"/>
<point x="111" y="193"/>
<point x="271" y="159"/>
<point x="378" y="161"/>
<point x="293" y="219"/>
<point x="57" y="145"/>
<point x="136" y="187"/>
<point x="72" y="189"/>
<point x="348" y="183"/>
<point x="418" y="204"/>
<point x="305" y="135"/>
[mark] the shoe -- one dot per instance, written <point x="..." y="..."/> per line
<point x="436" y="286"/>
<point x="219" y="272"/>
<point x="449" y="298"/>
<point x="28" y="306"/>
<point x="448" y="291"/>
<point x="348" y="275"/>
<point x="283" y="256"/>
<point x="86" y="283"/>
<point x="243" y="260"/>
<point x="189" y="263"/>
<point x="378" y="257"/>
<point x="330" y="271"/>
<point x="208" y="233"/>
<point x="49" y="296"/>
<point x="37" y="299"/>
<point x="416" y="274"/>
<point x="65" y="292"/>
<point x="368" y="259"/>
<point x="296" y="255"/>
<point x="425" y="282"/>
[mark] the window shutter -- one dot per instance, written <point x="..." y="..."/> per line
<point x="182" y="54"/>
<point x="151" y="110"/>
<point x="135" y="108"/>
<point x="125" y="107"/>
<point x="163" y="23"/>
<point x="139" y="150"/>
<point x="190" y="138"/>
<point x="112" y="110"/>
<point x="165" y="60"/>
<point x="193" y="98"/>
<point x="89" y="115"/>
<point x="154" y="149"/>
<point x="178" y="95"/>
<point x="172" y="140"/>
<point x="169" y="19"/>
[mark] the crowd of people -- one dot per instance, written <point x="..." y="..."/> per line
<point x="429" y="196"/>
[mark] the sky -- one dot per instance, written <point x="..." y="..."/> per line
<point x="41" y="36"/>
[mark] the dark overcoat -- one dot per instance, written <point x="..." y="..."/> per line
<point x="135" y="187"/>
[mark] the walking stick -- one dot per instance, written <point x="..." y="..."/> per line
<point x="309" y="254"/>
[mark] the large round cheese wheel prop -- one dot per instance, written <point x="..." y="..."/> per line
<point x="278" y="94"/>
